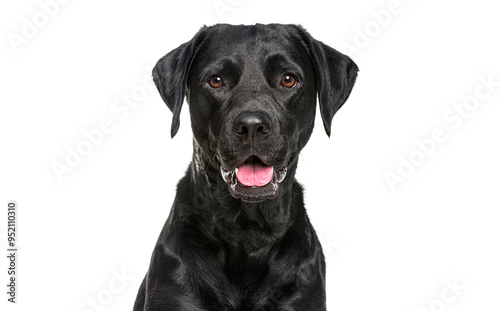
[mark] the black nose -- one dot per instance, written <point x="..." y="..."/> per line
<point x="252" y="125"/>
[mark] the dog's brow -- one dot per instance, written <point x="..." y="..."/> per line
<point x="283" y="63"/>
<point x="221" y="66"/>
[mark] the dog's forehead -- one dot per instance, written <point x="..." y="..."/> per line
<point x="251" y="42"/>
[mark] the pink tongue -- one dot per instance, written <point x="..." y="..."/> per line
<point x="255" y="174"/>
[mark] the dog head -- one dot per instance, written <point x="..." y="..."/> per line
<point x="252" y="93"/>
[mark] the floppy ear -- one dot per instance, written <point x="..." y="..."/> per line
<point x="335" y="77"/>
<point x="170" y="76"/>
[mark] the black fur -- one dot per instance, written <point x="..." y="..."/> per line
<point x="229" y="247"/>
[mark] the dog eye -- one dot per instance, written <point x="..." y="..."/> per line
<point x="288" y="81"/>
<point x="215" y="82"/>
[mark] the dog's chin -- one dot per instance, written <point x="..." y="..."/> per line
<point x="254" y="194"/>
<point x="260" y="185"/>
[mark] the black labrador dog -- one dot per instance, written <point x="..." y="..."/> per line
<point x="238" y="236"/>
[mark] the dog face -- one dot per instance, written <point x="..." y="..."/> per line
<point x="252" y="94"/>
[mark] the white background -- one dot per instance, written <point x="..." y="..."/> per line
<point x="89" y="236"/>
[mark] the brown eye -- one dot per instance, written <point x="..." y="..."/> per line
<point x="288" y="81"/>
<point x="215" y="82"/>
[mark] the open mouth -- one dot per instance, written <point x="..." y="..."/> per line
<point x="254" y="181"/>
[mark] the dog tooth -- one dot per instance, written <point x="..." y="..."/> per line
<point x="234" y="179"/>
<point x="226" y="175"/>
<point x="281" y="175"/>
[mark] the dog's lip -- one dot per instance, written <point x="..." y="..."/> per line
<point x="229" y="176"/>
<point x="253" y="193"/>
<point x="252" y="157"/>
